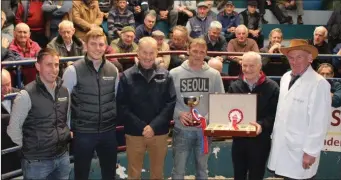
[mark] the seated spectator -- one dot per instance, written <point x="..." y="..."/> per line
<point x="6" y="36"/>
<point x="66" y="43"/>
<point x="215" y="41"/>
<point x="334" y="29"/>
<point x="274" y="66"/>
<point x="25" y="48"/>
<point x="11" y="161"/>
<point x="273" y="7"/>
<point x="139" y="8"/>
<point x="185" y="9"/>
<point x="229" y="20"/>
<point x="162" y="61"/>
<point x="164" y="10"/>
<point x="9" y="8"/>
<point x="147" y="28"/>
<point x="125" y="44"/>
<point x="218" y="65"/>
<point x="199" y="24"/>
<point x="86" y="15"/>
<point x="210" y="12"/>
<point x="285" y="5"/>
<point x="55" y="10"/>
<point x="253" y="21"/>
<point x="178" y="42"/>
<point x="30" y="12"/>
<point x="319" y="41"/>
<point x="240" y="44"/>
<point x="119" y="17"/>
<point x="326" y="70"/>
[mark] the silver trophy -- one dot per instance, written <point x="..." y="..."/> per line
<point x="191" y="102"/>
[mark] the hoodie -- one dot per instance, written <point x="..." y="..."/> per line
<point x="188" y="82"/>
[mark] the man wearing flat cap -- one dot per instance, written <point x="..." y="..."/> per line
<point x="302" y="116"/>
<point x="125" y="44"/>
<point x="199" y="24"/>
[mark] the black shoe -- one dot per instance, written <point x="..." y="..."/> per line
<point x="264" y="21"/>
<point x="299" y="20"/>
<point x="289" y="20"/>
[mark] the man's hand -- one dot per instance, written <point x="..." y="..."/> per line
<point x="4" y="42"/>
<point x="137" y="9"/>
<point x="186" y="118"/>
<point x="339" y="53"/>
<point x="182" y="57"/>
<point x="307" y="161"/>
<point x="258" y="127"/>
<point x="268" y="2"/>
<point x="106" y="15"/>
<point x="148" y="132"/>
<point x="274" y="47"/>
<point x="71" y="134"/>
<point x="58" y="7"/>
<point x="164" y="14"/>
<point x="292" y="3"/>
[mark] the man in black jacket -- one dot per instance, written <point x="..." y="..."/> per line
<point x="39" y="122"/>
<point x="249" y="155"/>
<point x="92" y="84"/>
<point x="215" y="41"/>
<point x="145" y="101"/>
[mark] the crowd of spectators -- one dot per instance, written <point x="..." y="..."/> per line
<point x="29" y="25"/>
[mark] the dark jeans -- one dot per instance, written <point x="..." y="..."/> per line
<point x="259" y="40"/>
<point x="249" y="157"/>
<point x="273" y="8"/>
<point x="84" y="145"/>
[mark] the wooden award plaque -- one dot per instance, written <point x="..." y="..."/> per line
<point x="231" y="114"/>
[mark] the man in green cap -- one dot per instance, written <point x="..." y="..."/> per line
<point x="125" y="44"/>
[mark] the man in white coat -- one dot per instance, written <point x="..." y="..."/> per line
<point x="302" y="116"/>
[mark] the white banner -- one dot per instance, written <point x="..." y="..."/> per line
<point x="333" y="139"/>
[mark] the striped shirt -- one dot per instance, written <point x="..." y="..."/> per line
<point x="116" y="21"/>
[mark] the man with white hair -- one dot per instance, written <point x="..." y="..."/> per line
<point x="66" y="43"/>
<point x="146" y="117"/>
<point x="249" y="155"/>
<point x="215" y="41"/>
<point x="240" y="44"/>
<point x="319" y="41"/>
<point x="303" y="115"/>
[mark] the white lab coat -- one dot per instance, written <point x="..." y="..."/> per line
<point x="302" y="119"/>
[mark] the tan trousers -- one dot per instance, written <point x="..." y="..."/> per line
<point x="136" y="149"/>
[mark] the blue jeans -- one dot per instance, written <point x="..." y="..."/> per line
<point x="184" y="142"/>
<point x="54" y="169"/>
<point x="105" y="145"/>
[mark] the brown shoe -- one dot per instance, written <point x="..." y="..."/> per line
<point x="299" y="20"/>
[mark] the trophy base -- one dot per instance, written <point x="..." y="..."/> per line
<point x="221" y="130"/>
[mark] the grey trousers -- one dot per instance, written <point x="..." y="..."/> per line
<point x="299" y="8"/>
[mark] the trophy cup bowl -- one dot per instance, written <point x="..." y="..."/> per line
<point x="191" y="102"/>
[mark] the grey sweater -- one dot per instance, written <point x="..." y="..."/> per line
<point x="188" y="82"/>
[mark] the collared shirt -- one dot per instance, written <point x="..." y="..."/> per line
<point x="249" y="84"/>
<point x="68" y="46"/>
<point x="295" y="77"/>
